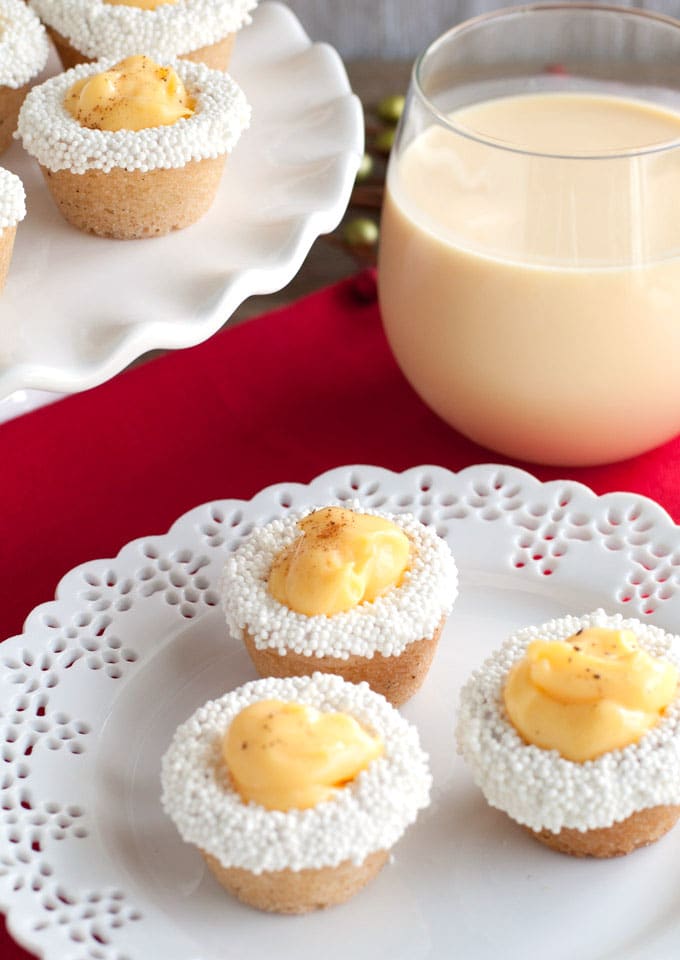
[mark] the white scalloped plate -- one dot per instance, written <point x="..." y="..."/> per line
<point x="92" y="692"/>
<point x="77" y="309"/>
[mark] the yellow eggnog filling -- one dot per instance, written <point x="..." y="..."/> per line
<point x="134" y="94"/>
<point x="291" y="756"/>
<point x="595" y="692"/>
<point x="342" y="559"/>
<point x="144" y="4"/>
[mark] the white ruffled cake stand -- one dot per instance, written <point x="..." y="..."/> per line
<point x="78" y="309"/>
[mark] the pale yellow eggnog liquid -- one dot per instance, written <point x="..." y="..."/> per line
<point x="531" y="295"/>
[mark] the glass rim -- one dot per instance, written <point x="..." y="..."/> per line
<point x="521" y="10"/>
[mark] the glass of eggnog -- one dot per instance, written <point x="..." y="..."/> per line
<point x="529" y="269"/>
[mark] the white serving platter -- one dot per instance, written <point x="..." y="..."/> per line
<point x="77" y="309"/>
<point x="90" y="695"/>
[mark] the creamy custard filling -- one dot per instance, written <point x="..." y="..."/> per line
<point x="341" y="559"/>
<point x="288" y="755"/>
<point x="595" y="692"/>
<point x="134" y="94"/>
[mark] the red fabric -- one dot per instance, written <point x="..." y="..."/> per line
<point x="280" y="398"/>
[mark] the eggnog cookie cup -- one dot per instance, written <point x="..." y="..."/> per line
<point x="296" y="860"/>
<point x="200" y="30"/>
<point x="603" y="807"/>
<point x="129" y="184"/>
<point x="389" y="642"/>
<point x="24" y="49"/>
<point x="12" y="211"/>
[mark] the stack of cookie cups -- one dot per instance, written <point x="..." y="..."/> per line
<point x="604" y="807"/>
<point x="300" y="859"/>
<point x="12" y="211"/>
<point x="131" y="184"/>
<point x="24" y="49"/>
<point x="390" y="642"/>
<point x="199" y="30"/>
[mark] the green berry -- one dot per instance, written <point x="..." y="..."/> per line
<point x="391" y="108"/>
<point x="384" y="141"/>
<point x="365" y="167"/>
<point x="360" y="232"/>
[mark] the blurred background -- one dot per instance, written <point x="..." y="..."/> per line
<point x="395" y="29"/>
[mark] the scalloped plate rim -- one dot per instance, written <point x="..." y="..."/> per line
<point x="34" y="632"/>
<point x="60" y="589"/>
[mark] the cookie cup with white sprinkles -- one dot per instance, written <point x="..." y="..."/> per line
<point x="126" y="183"/>
<point x="24" y="49"/>
<point x="199" y="30"/>
<point x="608" y="806"/>
<point x="12" y="211"/>
<point x="389" y="641"/>
<point x="296" y="860"/>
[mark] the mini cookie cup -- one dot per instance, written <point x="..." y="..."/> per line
<point x="12" y="211"/>
<point x="24" y="49"/>
<point x="299" y="860"/>
<point x="390" y="642"/>
<point x="200" y="30"/>
<point x="10" y="105"/>
<point x="127" y="184"/>
<point x="606" y="807"/>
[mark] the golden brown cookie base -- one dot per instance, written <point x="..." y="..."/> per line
<point x="69" y="56"/>
<point x="129" y="204"/>
<point x="397" y="678"/>
<point x="297" y="891"/>
<point x="10" y="104"/>
<point x="6" y="245"/>
<point x="638" y="830"/>
<point x="215" y="55"/>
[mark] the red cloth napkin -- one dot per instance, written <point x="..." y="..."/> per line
<point x="280" y="398"/>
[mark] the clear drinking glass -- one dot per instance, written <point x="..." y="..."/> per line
<point x="529" y="269"/>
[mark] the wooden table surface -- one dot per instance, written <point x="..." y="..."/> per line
<point x="329" y="259"/>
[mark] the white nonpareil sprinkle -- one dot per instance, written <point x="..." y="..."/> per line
<point x="367" y="815"/>
<point x="97" y="29"/>
<point x="24" y="46"/>
<point x="59" y="142"/>
<point x="412" y="611"/>
<point x="541" y="789"/>
<point x="12" y="199"/>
